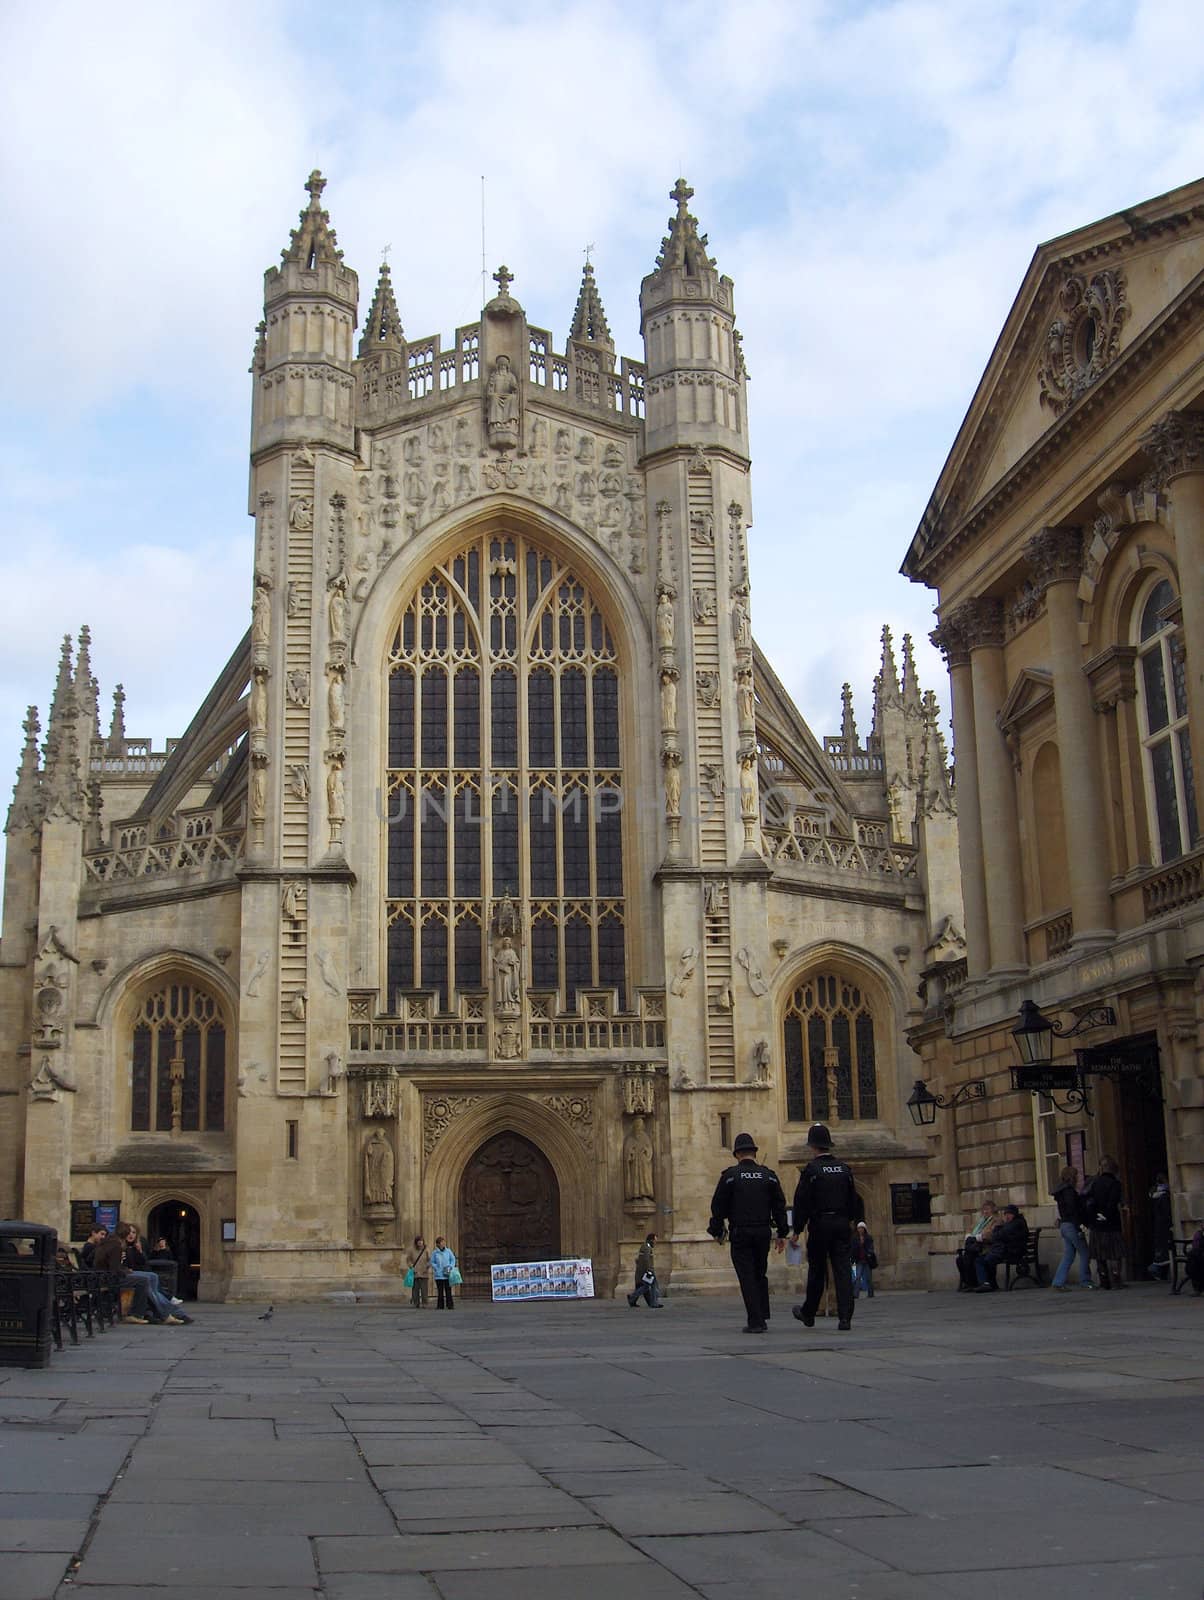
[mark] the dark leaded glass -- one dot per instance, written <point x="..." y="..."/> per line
<point x="545" y="960"/>
<point x="842" y="1039"/>
<point x="1166" y="803"/>
<point x="468" y="845"/>
<point x="796" y="1091"/>
<point x="434" y="717"/>
<point x="400" y="847"/>
<point x="504" y="718"/>
<point x="574" y="732"/>
<point x="867" y="1072"/>
<point x="612" y="961"/>
<point x="401" y="959"/>
<point x="608" y="841"/>
<point x="575" y="828"/>
<point x="434" y="959"/>
<point x="1189" y="786"/>
<point x="190" y="1102"/>
<point x="606" y="718"/>
<point x="1161" y="596"/>
<point x="140" y="1081"/>
<point x="578" y="958"/>
<point x="541" y="718"/>
<point x="468" y="717"/>
<point x="433" y="832"/>
<point x="1156" y="708"/>
<point x="468" y="956"/>
<point x="817" y="1039"/>
<point x="542" y="837"/>
<point x="401" y="718"/>
<point x="167" y="1048"/>
<point x="505" y="841"/>
<point x="215" y="1078"/>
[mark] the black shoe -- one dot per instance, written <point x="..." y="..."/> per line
<point x="754" y="1327"/>
<point x="631" y="1301"/>
<point x="844" y="1327"/>
<point x="805" y="1317"/>
<point x="987" y="1288"/>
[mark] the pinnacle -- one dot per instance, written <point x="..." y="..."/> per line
<point x="589" y="324"/>
<point x="911" y="682"/>
<point x="848" y="724"/>
<point x="313" y="244"/>
<point x="382" y="326"/>
<point x="62" y="702"/>
<point x="24" y="811"/>
<point x="683" y="246"/>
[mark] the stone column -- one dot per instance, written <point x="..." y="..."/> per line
<point x="1055" y="557"/>
<point x="950" y="637"/>
<point x="982" y="621"/>
<point x="1176" y="446"/>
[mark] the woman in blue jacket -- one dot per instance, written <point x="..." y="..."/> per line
<point x="443" y="1261"/>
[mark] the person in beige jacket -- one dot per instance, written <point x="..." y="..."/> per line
<point x="419" y="1260"/>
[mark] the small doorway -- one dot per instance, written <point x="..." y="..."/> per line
<point x="180" y="1225"/>
<point x="509" y="1209"/>
<point x="1139" y="1129"/>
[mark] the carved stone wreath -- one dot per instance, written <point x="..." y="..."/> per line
<point x="577" y="1110"/>
<point x="439" y="1111"/>
<point x="1083" y="339"/>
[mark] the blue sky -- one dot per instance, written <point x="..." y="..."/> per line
<point x="874" y="177"/>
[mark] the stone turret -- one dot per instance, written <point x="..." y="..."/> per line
<point x="590" y="348"/>
<point x="304" y="392"/>
<point x="382" y="326"/>
<point x="695" y="385"/>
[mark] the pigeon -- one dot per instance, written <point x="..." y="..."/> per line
<point x="267" y="1315"/>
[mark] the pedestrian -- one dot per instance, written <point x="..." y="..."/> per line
<point x="134" y="1259"/>
<point x="646" y="1285"/>
<point x="748" y="1200"/>
<point x="1161" y="1225"/>
<point x="418" y="1270"/>
<point x="827" y="1204"/>
<point x="88" y="1253"/>
<point x="1009" y="1243"/>
<point x="443" y="1264"/>
<point x="1071" y="1215"/>
<point x="1103" y="1197"/>
<point x="865" y="1259"/>
<point x="1193" y="1262"/>
<point x="974" y="1244"/>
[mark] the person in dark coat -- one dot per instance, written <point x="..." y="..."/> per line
<point x="1193" y="1262"/>
<point x="646" y="1286"/>
<point x="1161" y="1225"/>
<point x="827" y="1204"/>
<point x="748" y="1202"/>
<point x="974" y="1244"/>
<point x="1103" y="1197"/>
<point x="1008" y="1243"/>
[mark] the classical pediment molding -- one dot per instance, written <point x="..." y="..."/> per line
<point x="1031" y="694"/>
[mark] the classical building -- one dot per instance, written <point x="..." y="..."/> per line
<point x="1065" y="537"/>
<point x="497" y="883"/>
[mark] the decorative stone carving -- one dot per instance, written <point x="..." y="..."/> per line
<point x="1055" y="555"/>
<point x="744" y="958"/>
<point x="326" y="971"/>
<point x="669" y="676"/>
<point x="1084" y="338"/>
<point x="256" y="973"/>
<point x="761" y="1063"/>
<point x="290" y="901"/>
<point x="379" y="1169"/>
<point x="702" y="528"/>
<point x="952" y="639"/>
<point x="712" y="780"/>
<point x="296" y="687"/>
<point x="508" y="1042"/>
<point x="687" y="964"/>
<point x="741" y="619"/>
<point x="577" y="1111"/>
<point x="439" y="1111"/>
<point x="1175" y="444"/>
<point x="335" y="791"/>
<point x="293" y="600"/>
<point x="257" y="710"/>
<point x="298" y="780"/>
<point x="665" y="597"/>
<point x="714" y="897"/>
<point x="336" y="697"/>
<point x="48" y="1082"/>
<point x="507" y="980"/>
<point x="334" y="1071"/>
<point x="706" y="685"/>
<point x="378" y="1097"/>
<point x="637" y="1163"/>
<point x="301" y="513"/>
<point x="639" y="1091"/>
<point x="502" y="406"/>
<point x="746" y="699"/>
<point x="706" y="607"/>
<point x="257" y="787"/>
<point x="296" y="1006"/>
<point x="261" y="617"/>
<point x="336" y="608"/>
<point x="671" y="765"/>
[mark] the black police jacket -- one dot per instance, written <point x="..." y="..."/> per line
<point x="748" y="1195"/>
<point x="826" y="1185"/>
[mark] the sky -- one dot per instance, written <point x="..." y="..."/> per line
<point x="874" y="177"/>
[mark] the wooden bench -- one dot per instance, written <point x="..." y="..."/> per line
<point x="1028" y="1267"/>
<point x="1178" y="1263"/>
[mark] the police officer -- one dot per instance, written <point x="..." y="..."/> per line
<point x="749" y="1199"/>
<point x="826" y="1202"/>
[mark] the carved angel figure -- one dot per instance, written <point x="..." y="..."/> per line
<point x="501" y="405"/>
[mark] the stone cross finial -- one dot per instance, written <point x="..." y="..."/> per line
<point x="681" y="192"/>
<point x="589" y="266"/>
<point x="315" y="183"/>
<point x="503" y="277"/>
<point x="384" y="257"/>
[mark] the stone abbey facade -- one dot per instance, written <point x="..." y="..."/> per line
<point x="497" y="883"/>
<point x="1065" y="538"/>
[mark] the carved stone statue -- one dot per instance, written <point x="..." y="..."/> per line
<point x="379" y="1169"/>
<point x="335" y="801"/>
<point x="637" y="1162"/>
<point x="507" y="967"/>
<point x="258" y="710"/>
<point x="669" y="700"/>
<point x="741" y="620"/>
<point x="301" y="512"/>
<point x="261" y="612"/>
<point x="289" y="906"/>
<point x="296" y="1008"/>
<point x="501" y="406"/>
<point x="746" y="699"/>
<point x="762" y="1060"/>
<point x="297" y="687"/>
<point x="336" y="609"/>
<point x="748" y="785"/>
<point x="336" y="702"/>
<point x="686" y="963"/>
<point x="664" y="618"/>
<point x="257" y="796"/>
<point x="672" y="784"/>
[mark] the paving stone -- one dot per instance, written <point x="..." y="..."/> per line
<point x="74" y="1463"/>
<point x="36" y="1577"/>
<point x="634" y="1480"/>
<point x="487" y="1508"/>
<point x="1170" y="1578"/>
<point x="456" y="1475"/>
<point x="645" y="1581"/>
<point x="768" y="1563"/>
<point x="35" y="1534"/>
<point x="642" y="1514"/>
<point x="815" y="1505"/>
<point x="378" y="1586"/>
<point x="950" y="1491"/>
<point x="481" y="1552"/>
<point x="188" y="1591"/>
<point x="250" y="1561"/>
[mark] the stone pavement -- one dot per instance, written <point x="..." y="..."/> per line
<point x="1029" y="1444"/>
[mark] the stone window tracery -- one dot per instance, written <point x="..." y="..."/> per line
<point x="178" y="1062"/>
<point x="1165" y="737"/>
<point x="828" y="1046"/>
<point x="504" y="775"/>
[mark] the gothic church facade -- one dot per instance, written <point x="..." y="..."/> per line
<point x="497" y="882"/>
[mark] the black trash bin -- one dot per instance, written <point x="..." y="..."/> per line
<point x="167" y="1272"/>
<point x="26" y="1293"/>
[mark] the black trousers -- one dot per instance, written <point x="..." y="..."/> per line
<point x="444" y="1288"/>
<point x="750" y="1257"/>
<point x="829" y="1239"/>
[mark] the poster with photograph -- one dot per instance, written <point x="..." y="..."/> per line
<point x="571" y="1279"/>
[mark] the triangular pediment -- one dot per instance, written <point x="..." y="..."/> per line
<point x="1093" y="305"/>
<point x="1031" y="693"/>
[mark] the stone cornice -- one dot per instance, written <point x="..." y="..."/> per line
<point x="935" y="545"/>
<point x="1113" y="676"/>
<point x="981" y="622"/>
<point x="1055" y="555"/>
<point x="952" y="640"/>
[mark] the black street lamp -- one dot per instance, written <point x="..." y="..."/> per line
<point x="924" y="1105"/>
<point x="1034" y="1037"/>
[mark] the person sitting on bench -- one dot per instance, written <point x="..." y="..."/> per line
<point x="976" y="1242"/>
<point x="1193" y="1261"/>
<point x="1009" y="1242"/>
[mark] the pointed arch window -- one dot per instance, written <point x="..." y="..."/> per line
<point x="178" y="1062"/>
<point x="504" y="775"/>
<point x="1165" y="736"/>
<point x="829" y="1048"/>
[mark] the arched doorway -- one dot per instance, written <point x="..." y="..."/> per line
<point x="509" y="1209"/>
<point x="180" y="1224"/>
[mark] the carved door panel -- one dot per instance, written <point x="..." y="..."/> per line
<point x="509" y="1209"/>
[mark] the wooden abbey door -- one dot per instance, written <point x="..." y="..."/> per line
<point x="509" y="1209"/>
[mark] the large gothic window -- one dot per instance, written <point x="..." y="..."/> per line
<point x="828" y="1048"/>
<point x="1166" y="741"/>
<point x="178" y="1079"/>
<point x="504" y="775"/>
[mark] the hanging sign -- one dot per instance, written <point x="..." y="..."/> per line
<point x="1045" y="1080"/>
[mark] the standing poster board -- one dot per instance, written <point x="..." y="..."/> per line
<point x="570" y="1279"/>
